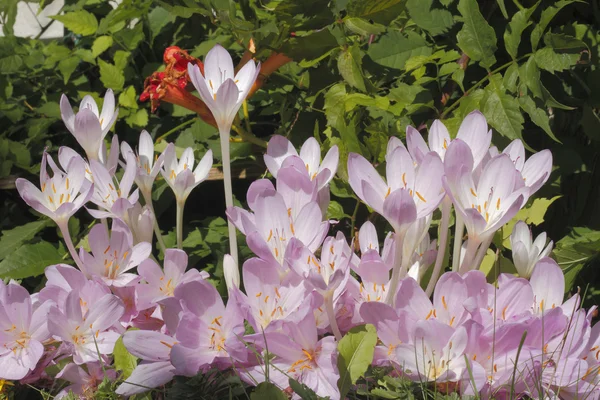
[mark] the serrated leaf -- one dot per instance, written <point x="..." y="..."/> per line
<point x="302" y="390"/>
<point x="575" y="250"/>
<point x="433" y="20"/>
<point x="111" y="76"/>
<point x="10" y="64"/>
<point x="547" y="59"/>
<point x="394" y="48"/>
<point x="67" y="67"/>
<point x="476" y="38"/>
<point x="121" y="58"/>
<point x="538" y="116"/>
<point x="545" y="19"/>
<point x="502" y="110"/>
<point x="50" y="109"/>
<point x="381" y="11"/>
<point x="267" y="391"/>
<point x="128" y="98"/>
<point x="79" y="22"/>
<point x="512" y="35"/>
<point x="30" y="260"/>
<point x="356" y="351"/>
<point x="349" y="65"/>
<point x="123" y="360"/>
<point x="310" y="47"/>
<point x="13" y="238"/>
<point x="138" y="118"/>
<point x="363" y="27"/>
<point x="101" y="44"/>
<point x="511" y="76"/>
<point x="158" y="18"/>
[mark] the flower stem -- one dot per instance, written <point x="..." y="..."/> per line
<point x="226" y="160"/>
<point x="446" y="204"/>
<point x="180" y="205"/>
<point x="64" y="229"/>
<point x="159" y="239"/>
<point x="399" y="242"/>
<point x="485" y="245"/>
<point x="459" y="227"/>
<point x="470" y="252"/>
<point x="331" y="315"/>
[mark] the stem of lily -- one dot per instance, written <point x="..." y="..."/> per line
<point x="470" y="252"/>
<point x="444" y="231"/>
<point x="224" y="135"/>
<point x="459" y="227"/>
<point x="331" y="315"/>
<point x="399" y="242"/>
<point x="180" y="205"/>
<point x="148" y="200"/>
<point x="485" y="245"/>
<point x="64" y="229"/>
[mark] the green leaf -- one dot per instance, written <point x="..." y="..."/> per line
<point x="363" y="27"/>
<point x="10" y="64"/>
<point x="349" y="65"/>
<point x="67" y="66"/>
<point x="551" y="61"/>
<point x="158" y="19"/>
<point x="79" y="22"/>
<point x="111" y="76"/>
<point x="575" y="250"/>
<point x="502" y="110"/>
<point x="302" y="390"/>
<point x="502" y="8"/>
<point x="394" y="48"/>
<point x="335" y="211"/>
<point x="128" y="98"/>
<point x="123" y="360"/>
<point x="512" y="35"/>
<point x="101" y="44"/>
<point x="476" y="38"/>
<point x="356" y="351"/>
<point x="545" y="19"/>
<point x="30" y="260"/>
<point x="538" y="116"/>
<point x="267" y="391"/>
<point x="121" y="58"/>
<point x="433" y="20"/>
<point x="13" y="238"/>
<point x="50" y="109"/>
<point x="381" y="11"/>
<point x="138" y="118"/>
<point x="511" y="76"/>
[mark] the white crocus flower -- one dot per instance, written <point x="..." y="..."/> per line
<point x="526" y="251"/>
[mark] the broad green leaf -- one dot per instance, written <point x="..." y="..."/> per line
<point x="128" y="98"/>
<point x="512" y="35"/>
<point x="138" y="118"/>
<point x="349" y="65"/>
<point x="575" y="250"/>
<point x="335" y="211"/>
<point x="310" y="47"/>
<point x="394" y="48"/>
<point x="502" y="110"/>
<point x="267" y="391"/>
<point x="30" y="260"/>
<point x="551" y="61"/>
<point x="334" y="105"/>
<point x="433" y="20"/>
<point x="13" y="238"/>
<point x="545" y="19"/>
<point x="502" y="8"/>
<point x="302" y="390"/>
<point x="10" y="64"/>
<point x="356" y="351"/>
<point x="121" y="58"/>
<point x="363" y="27"/>
<point x="50" y="109"/>
<point x="158" y="18"/>
<point x="111" y="76"/>
<point x="538" y="116"/>
<point x="123" y="360"/>
<point x="476" y="38"/>
<point x="101" y="44"/>
<point x="380" y="11"/>
<point x="511" y="76"/>
<point x="131" y="38"/>
<point x="67" y="67"/>
<point x="79" y="22"/>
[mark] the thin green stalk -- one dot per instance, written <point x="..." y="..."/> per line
<point x="248" y="137"/>
<point x="459" y="228"/>
<point x="331" y="315"/>
<point x="178" y="127"/>
<point x="443" y="240"/>
<point x="180" y="206"/>
<point x="224" y="135"/>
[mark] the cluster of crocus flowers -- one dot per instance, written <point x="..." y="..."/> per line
<point x="305" y="287"/>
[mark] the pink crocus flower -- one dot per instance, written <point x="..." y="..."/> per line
<point x="87" y="334"/>
<point x="280" y="149"/>
<point x="111" y="195"/>
<point x="154" y="348"/>
<point x="83" y="383"/>
<point x="535" y="170"/>
<point x="209" y="332"/>
<point x="161" y="283"/>
<point x="61" y="194"/>
<point x="113" y="255"/>
<point x="299" y="354"/>
<point x="148" y="166"/>
<point x="181" y="175"/>
<point x="90" y="126"/>
<point x="23" y="328"/>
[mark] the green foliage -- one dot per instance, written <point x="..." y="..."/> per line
<point x="124" y="360"/>
<point x="356" y="350"/>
